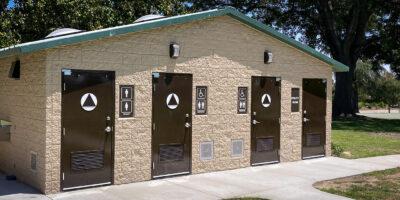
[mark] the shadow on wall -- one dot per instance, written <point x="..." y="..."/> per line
<point x="15" y="189"/>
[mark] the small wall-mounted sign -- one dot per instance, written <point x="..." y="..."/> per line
<point x="88" y="102"/>
<point x="201" y="100"/>
<point x="242" y="100"/>
<point x="126" y="94"/>
<point x="295" y="100"/>
<point x="172" y="101"/>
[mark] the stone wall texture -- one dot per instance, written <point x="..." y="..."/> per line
<point x="220" y="52"/>
<point x="23" y="102"/>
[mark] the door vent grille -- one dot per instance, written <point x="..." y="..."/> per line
<point x="172" y="152"/>
<point x="265" y="144"/>
<point x="87" y="160"/>
<point x="237" y="148"/>
<point x="313" y="139"/>
<point x="206" y="150"/>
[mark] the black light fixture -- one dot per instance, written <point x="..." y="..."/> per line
<point x="174" y="50"/>
<point x="15" y="70"/>
<point x="267" y="57"/>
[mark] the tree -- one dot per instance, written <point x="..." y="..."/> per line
<point x="388" y="90"/>
<point x="366" y="81"/>
<point x="346" y="29"/>
<point x="31" y="20"/>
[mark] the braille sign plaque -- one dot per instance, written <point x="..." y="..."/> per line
<point x="295" y="99"/>
<point x="242" y="100"/>
<point x="126" y="95"/>
<point x="201" y="100"/>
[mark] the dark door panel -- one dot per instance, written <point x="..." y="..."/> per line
<point x="172" y="110"/>
<point x="265" y="120"/>
<point x="87" y="123"/>
<point x="314" y="112"/>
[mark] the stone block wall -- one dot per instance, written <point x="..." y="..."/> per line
<point x="23" y="103"/>
<point x="221" y="53"/>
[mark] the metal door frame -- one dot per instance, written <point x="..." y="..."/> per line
<point x="152" y="167"/>
<point x="302" y="112"/>
<point x="251" y="125"/>
<point x="112" y="135"/>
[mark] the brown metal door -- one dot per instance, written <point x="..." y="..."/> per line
<point x="314" y="112"/>
<point x="265" y="120"/>
<point x="87" y="128"/>
<point x="172" y="118"/>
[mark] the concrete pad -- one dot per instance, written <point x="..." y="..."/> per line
<point x="296" y="193"/>
<point x="18" y="190"/>
<point x="292" y="180"/>
<point x="157" y="189"/>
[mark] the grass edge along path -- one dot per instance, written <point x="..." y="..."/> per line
<point x="383" y="184"/>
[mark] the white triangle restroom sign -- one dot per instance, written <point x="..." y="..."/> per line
<point x="88" y="102"/>
<point x="266" y="100"/>
<point x="172" y="101"/>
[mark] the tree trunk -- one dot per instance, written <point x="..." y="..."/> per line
<point x="345" y="100"/>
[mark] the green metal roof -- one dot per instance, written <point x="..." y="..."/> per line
<point x="135" y="27"/>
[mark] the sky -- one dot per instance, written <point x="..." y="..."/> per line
<point x="10" y="4"/>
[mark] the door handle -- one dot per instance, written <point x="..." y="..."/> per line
<point x="305" y="119"/>
<point x="187" y="125"/>
<point x="255" y="122"/>
<point x="107" y="129"/>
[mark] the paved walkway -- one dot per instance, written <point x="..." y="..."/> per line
<point x="381" y="114"/>
<point x="280" y="181"/>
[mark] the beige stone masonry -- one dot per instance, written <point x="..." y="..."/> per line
<point x="221" y="53"/>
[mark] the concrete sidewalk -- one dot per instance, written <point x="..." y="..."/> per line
<point x="280" y="181"/>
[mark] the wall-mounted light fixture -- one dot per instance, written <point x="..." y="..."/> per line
<point x="174" y="50"/>
<point x="15" y="70"/>
<point x="267" y="57"/>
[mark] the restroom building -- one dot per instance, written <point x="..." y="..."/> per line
<point x="164" y="96"/>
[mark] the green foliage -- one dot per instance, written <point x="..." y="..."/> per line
<point x="34" y="19"/>
<point x="376" y="89"/>
<point x="388" y="90"/>
<point x="337" y="150"/>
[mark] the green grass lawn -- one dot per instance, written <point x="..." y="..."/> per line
<point x="366" y="137"/>
<point x="375" y="185"/>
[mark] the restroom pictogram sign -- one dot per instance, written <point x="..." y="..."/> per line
<point x="242" y="100"/>
<point x="172" y="101"/>
<point x="201" y="100"/>
<point x="88" y="102"/>
<point x="126" y="101"/>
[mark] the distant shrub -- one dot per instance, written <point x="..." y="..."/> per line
<point x="337" y="150"/>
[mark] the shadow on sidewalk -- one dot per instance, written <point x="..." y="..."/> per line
<point x="11" y="189"/>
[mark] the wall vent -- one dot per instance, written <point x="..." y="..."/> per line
<point x="207" y="150"/>
<point x="15" y="70"/>
<point x="237" y="148"/>
<point x="33" y="161"/>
